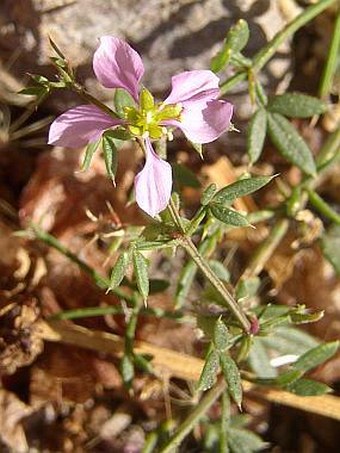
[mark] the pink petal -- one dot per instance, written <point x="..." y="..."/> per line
<point x="204" y="125"/>
<point x="191" y="86"/>
<point x="117" y="65"/>
<point x="154" y="183"/>
<point x="79" y="126"/>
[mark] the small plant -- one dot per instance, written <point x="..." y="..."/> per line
<point x="241" y="337"/>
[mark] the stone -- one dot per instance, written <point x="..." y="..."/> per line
<point x="171" y="35"/>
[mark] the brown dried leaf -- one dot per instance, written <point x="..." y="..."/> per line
<point x="223" y="173"/>
<point x="12" y="412"/>
<point x="20" y="341"/>
<point x="66" y="374"/>
<point x="58" y="194"/>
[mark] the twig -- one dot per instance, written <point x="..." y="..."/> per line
<point x="167" y="362"/>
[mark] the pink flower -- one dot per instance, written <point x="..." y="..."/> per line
<point x="154" y="183"/>
<point x="192" y="106"/>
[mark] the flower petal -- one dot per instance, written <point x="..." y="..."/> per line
<point x="79" y="126"/>
<point x="117" y="65"/>
<point x="154" y="183"/>
<point x="204" y="125"/>
<point x="191" y="86"/>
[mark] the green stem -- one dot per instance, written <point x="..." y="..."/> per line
<point x="92" y="100"/>
<point x="130" y="332"/>
<point x="265" y="54"/>
<point x="226" y="86"/>
<point x="90" y="312"/>
<point x="205" y="249"/>
<point x="101" y="281"/>
<point x="321" y="206"/>
<point x="329" y="152"/>
<point x="332" y="60"/>
<point x="225" y="417"/>
<point x="260" y="94"/>
<point x="188" y="425"/>
<point x="186" y="242"/>
<point x="175" y="216"/>
<point x="150" y="443"/>
<point x="127" y="364"/>
<point x="240" y="60"/>
<point x="266" y="249"/>
<point x="231" y="303"/>
<point x="196" y="220"/>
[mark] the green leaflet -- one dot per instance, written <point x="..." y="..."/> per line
<point x="228" y="216"/>
<point x="290" y="143"/>
<point x="316" y="356"/>
<point x="119" y="269"/>
<point x="140" y="265"/>
<point x="233" y="378"/>
<point x="110" y="151"/>
<point x="241" y="188"/>
<point x="308" y="387"/>
<point x="296" y="105"/>
<point x="221" y="335"/>
<point x="236" y="39"/>
<point x="244" y="441"/>
<point x="208" y="194"/>
<point x="256" y="134"/>
<point x="89" y="152"/>
<point x="208" y="375"/>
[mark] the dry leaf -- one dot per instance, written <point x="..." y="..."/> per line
<point x="20" y="341"/>
<point x="12" y="412"/>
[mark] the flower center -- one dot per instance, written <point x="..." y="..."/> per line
<point x="147" y="120"/>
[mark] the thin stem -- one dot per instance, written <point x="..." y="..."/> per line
<point x="329" y="152"/>
<point x="101" y="281"/>
<point x="265" y="54"/>
<point x="188" y="425"/>
<point x="28" y="112"/>
<point x="260" y="94"/>
<point x="266" y="249"/>
<point x="226" y="86"/>
<point x="150" y="443"/>
<point x="31" y="128"/>
<point x="130" y="332"/>
<point x="175" y="216"/>
<point x="90" y="312"/>
<point x="205" y="249"/>
<point x="321" y="206"/>
<point x="186" y="242"/>
<point x="92" y="100"/>
<point x="231" y="303"/>
<point x="225" y="417"/>
<point x="331" y="63"/>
